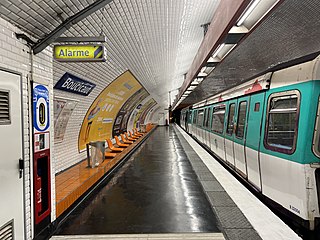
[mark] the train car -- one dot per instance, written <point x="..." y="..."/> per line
<point x="185" y="119"/>
<point x="268" y="130"/>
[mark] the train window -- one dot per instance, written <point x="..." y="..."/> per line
<point x="218" y="119"/>
<point x="200" y="117"/>
<point x="257" y="107"/>
<point x="190" y="117"/>
<point x="242" y="113"/>
<point x="230" y="125"/>
<point x="208" y="118"/>
<point x="282" y="122"/>
<point x="316" y="136"/>
<point x="195" y="117"/>
<point x="205" y="117"/>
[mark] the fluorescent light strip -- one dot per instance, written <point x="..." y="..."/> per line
<point x="234" y="45"/>
<point x="218" y="50"/>
<point x="247" y="13"/>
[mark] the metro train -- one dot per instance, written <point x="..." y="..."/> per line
<point x="267" y="130"/>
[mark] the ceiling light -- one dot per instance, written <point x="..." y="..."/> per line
<point x="212" y="62"/>
<point x="202" y="74"/>
<point x="247" y="12"/>
<point x="218" y="50"/>
<point x="196" y="81"/>
<point x="190" y="88"/>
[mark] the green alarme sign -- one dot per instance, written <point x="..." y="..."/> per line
<point x="79" y="53"/>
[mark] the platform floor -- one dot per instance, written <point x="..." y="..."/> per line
<point x="75" y="181"/>
<point x="172" y="185"/>
<point x="156" y="191"/>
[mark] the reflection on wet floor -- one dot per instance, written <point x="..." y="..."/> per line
<point x="156" y="191"/>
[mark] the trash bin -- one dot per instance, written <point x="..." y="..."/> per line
<point x="95" y="155"/>
<point x="143" y="128"/>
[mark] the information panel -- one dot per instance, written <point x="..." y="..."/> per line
<point x="79" y="53"/>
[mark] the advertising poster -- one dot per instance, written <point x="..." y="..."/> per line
<point x="134" y="120"/>
<point x="100" y="118"/>
<point x="120" y="125"/>
<point x="62" y="110"/>
<point x="140" y="117"/>
<point x="151" y="115"/>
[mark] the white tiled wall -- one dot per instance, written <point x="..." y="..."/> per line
<point x="14" y="56"/>
<point x="66" y="152"/>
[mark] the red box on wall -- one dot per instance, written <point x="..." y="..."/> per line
<point x="42" y="185"/>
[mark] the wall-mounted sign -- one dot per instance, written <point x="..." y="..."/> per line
<point x="79" y="53"/>
<point x="41" y="141"/>
<point x="62" y="109"/>
<point x="41" y="120"/>
<point x="73" y="84"/>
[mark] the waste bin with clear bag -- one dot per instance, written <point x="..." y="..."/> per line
<point x="95" y="154"/>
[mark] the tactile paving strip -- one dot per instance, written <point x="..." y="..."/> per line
<point x="220" y="199"/>
<point x="212" y="186"/>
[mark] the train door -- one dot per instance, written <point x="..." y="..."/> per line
<point x="207" y="125"/>
<point x="194" y="122"/>
<point x="229" y="137"/>
<point x="189" y="121"/>
<point x="217" y="127"/>
<point x="186" y="117"/>
<point x="240" y="135"/>
<point x="203" y="129"/>
<point x="199" y="124"/>
<point x="253" y="138"/>
<point x="11" y="177"/>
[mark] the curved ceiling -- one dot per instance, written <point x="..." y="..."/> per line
<point x="155" y="39"/>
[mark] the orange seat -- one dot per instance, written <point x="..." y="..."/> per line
<point x="113" y="148"/>
<point x="124" y="139"/>
<point x="129" y="138"/>
<point x="121" y="145"/>
<point x="149" y="127"/>
<point x="109" y="155"/>
<point x="136" y="132"/>
<point x="132" y="135"/>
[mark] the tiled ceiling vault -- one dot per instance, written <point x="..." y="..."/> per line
<point x="155" y="39"/>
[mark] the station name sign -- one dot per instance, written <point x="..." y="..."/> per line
<point x="73" y="84"/>
<point x="79" y="53"/>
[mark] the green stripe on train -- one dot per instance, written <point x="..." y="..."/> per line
<point x="308" y="108"/>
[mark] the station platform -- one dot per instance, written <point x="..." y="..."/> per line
<point x="171" y="188"/>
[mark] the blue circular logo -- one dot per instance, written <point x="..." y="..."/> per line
<point x="41" y="119"/>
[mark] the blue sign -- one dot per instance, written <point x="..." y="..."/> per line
<point x="41" y="119"/>
<point x="73" y="84"/>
